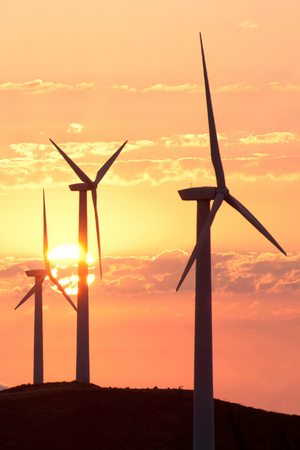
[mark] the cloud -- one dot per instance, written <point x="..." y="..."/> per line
<point x="85" y="87"/>
<point x="35" y="165"/>
<point x="233" y="274"/>
<point x="25" y="149"/>
<point x="248" y="24"/>
<point x="136" y="145"/>
<point x="42" y="87"/>
<point x="144" y="275"/>
<point x="157" y="172"/>
<point x="75" y="128"/>
<point x="106" y="148"/>
<point x="14" y="283"/>
<point x="243" y="87"/>
<point x="33" y="86"/>
<point x="127" y="275"/>
<point x="3" y="386"/>
<point x="31" y="310"/>
<point x="82" y="149"/>
<point x="194" y="88"/>
<point x="289" y="87"/>
<point x="288" y="312"/>
<point x="189" y="140"/>
<point x="187" y="88"/>
<point x="252" y="314"/>
<point x="269" y="176"/>
<point x="265" y="273"/>
<point x="28" y="312"/>
<point x="238" y="87"/>
<point x="123" y="87"/>
<point x="190" y="88"/>
<point x="277" y="137"/>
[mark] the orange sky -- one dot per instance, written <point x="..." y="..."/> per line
<point x="91" y="76"/>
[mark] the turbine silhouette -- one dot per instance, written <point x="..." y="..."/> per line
<point x="83" y="358"/>
<point x="203" y="437"/>
<point x="40" y="275"/>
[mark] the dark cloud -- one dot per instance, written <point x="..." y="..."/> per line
<point x="144" y="274"/>
<point x="232" y="273"/>
<point x="11" y="267"/>
<point x="255" y="273"/>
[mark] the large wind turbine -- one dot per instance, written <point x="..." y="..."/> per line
<point x="37" y="289"/>
<point x="203" y="437"/>
<point x="83" y="356"/>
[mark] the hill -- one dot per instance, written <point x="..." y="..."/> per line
<point x="81" y="416"/>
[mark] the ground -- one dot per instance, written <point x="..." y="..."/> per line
<point x="77" y="416"/>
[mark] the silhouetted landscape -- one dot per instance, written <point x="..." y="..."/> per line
<point x="73" y="415"/>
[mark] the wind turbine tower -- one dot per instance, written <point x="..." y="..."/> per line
<point x="37" y="289"/>
<point x="203" y="434"/>
<point x="83" y="353"/>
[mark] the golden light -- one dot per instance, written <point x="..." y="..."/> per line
<point x="65" y="259"/>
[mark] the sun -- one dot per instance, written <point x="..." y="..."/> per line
<point x="65" y="259"/>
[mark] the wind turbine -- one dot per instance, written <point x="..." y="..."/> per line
<point x="37" y="289"/>
<point x="203" y="434"/>
<point x="83" y="356"/>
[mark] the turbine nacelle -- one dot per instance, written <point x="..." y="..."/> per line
<point x="198" y="193"/>
<point x="35" y="273"/>
<point x="81" y="187"/>
<point x="202" y="193"/>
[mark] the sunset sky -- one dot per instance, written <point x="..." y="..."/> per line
<point x="90" y="75"/>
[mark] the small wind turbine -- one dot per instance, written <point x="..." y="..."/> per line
<point x="37" y="289"/>
<point x="203" y="437"/>
<point x="83" y="353"/>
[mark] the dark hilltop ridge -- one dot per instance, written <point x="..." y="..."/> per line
<point x="79" y="416"/>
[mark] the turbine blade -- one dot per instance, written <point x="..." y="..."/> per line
<point x="94" y="196"/>
<point x="106" y="166"/>
<point x="247" y="214"/>
<point x="45" y="243"/>
<point x="74" y="166"/>
<point x="202" y="236"/>
<point x="32" y="290"/>
<point x="214" y="146"/>
<point x="54" y="280"/>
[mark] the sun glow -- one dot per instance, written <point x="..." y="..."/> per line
<point x="67" y="252"/>
<point x="65" y="259"/>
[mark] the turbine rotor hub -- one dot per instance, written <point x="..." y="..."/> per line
<point x="223" y="191"/>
